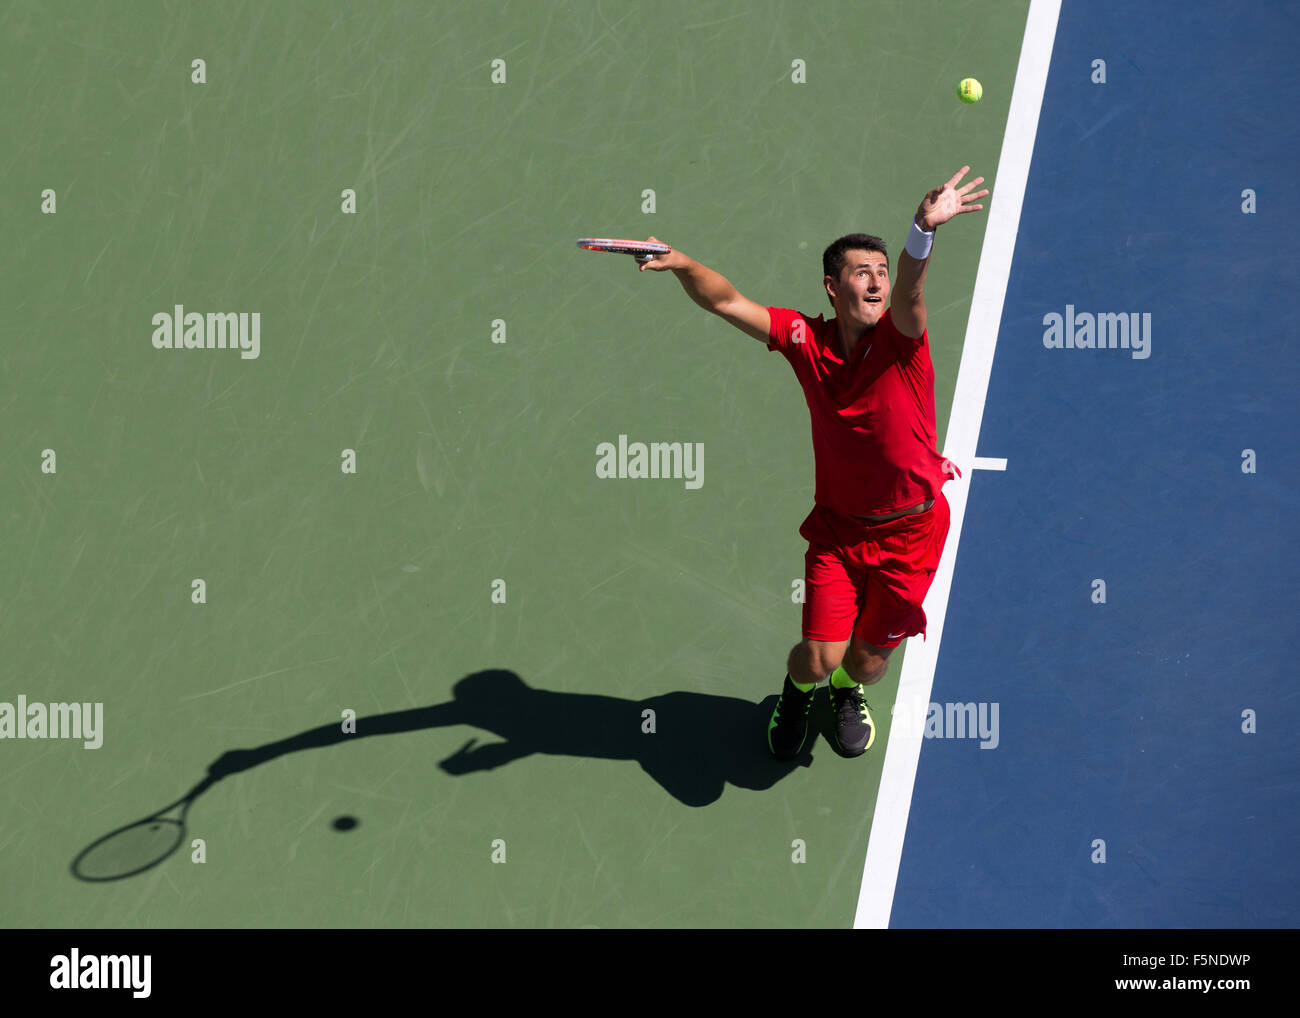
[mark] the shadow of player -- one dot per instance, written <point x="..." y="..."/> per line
<point x="700" y="742"/>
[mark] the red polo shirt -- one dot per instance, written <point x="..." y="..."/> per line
<point x="873" y="426"/>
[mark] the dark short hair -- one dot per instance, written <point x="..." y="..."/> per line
<point x="833" y="257"/>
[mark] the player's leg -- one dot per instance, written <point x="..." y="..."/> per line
<point x="811" y="661"/>
<point x="864" y="662"/>
<point x="829" y="610"/>
<point x="896" y="583"/>
<point x="901" y="561"/>
<point x="863" y="665"/>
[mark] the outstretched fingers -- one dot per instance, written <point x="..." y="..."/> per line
<point x="957" y="177"/>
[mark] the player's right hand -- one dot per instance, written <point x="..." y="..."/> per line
<point x="664" y="262"/>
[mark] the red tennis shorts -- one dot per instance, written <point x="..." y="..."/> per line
<point x="869" y="579"/>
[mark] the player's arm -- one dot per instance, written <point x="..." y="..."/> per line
<point x="713" y="292"/>
<point x="907" y="301"/>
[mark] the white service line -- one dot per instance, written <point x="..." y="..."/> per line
<point x="988" y="463"/>
<point x="894" y="801"/>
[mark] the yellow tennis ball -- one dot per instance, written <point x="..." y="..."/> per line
<point x="969" y="91"/>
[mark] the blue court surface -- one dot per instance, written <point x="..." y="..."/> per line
<point x="1158" y="727"/>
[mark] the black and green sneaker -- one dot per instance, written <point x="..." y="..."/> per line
<point x="788" y="729"/>
<point x="854" y="729"/>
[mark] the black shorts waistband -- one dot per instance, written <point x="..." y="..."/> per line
<point x="912" y="510"/>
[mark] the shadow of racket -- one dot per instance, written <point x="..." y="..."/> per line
<point x="139" y="846"/>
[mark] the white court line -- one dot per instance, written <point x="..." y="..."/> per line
<point x="987" y="463"/>
<point x="894" y="801"/>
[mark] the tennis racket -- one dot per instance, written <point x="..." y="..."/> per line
<point x="643" y="250"/>
<point x="139" y="846"/>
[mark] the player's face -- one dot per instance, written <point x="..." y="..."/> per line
<point x="863" y="290"/>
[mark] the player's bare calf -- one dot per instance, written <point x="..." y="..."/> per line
<point x="814" y="660"/>
<point x="865" y="663"/>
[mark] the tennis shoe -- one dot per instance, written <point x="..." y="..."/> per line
<point x="854" y="729"/>
<point x="788" y="728"/>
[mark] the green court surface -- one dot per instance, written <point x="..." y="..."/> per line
<point x="372" y="591"/>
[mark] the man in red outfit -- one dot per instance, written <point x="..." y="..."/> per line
<point x="877" y="530"/>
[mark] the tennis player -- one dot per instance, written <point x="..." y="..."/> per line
<point x="880" y="520"/>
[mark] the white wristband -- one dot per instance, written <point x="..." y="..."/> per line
<point x="918" y="243"/>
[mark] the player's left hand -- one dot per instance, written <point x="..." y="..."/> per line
<point x="947" y="201"/>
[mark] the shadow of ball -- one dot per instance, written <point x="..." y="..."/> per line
<point x="345" y="823"/>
